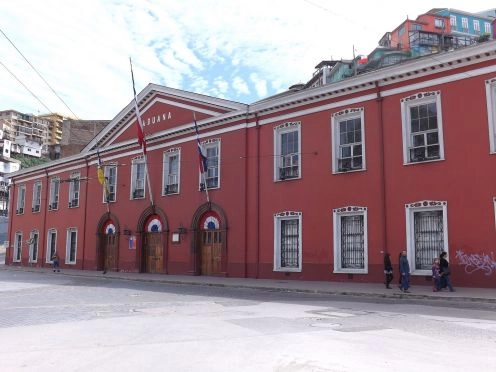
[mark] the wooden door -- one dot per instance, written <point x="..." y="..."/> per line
<point x="108" y="252"/>
<point x="211" y="252"/>
<point x="153" y="253"/>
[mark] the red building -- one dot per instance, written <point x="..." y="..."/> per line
<point x="315" y="184"/>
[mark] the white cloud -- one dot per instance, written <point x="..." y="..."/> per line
<point x="217" y="47"/>
<point x="240" y="86"/>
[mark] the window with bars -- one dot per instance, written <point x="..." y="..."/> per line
<point x="17" y="247"/>
<point x="54" y="194"/>
<point x="426" y="234"/>
<point x="212" y="151"/>
<point x="36" y="204"/>
<point x="33" y="246"/>
<point x="51" y="244"/>
<point x="71" y="246"/>
<point x="422" y="127"/>
<point x="350" y="240"/>
<point x="21" y="199"/>
<point x="138" y="178"/>
<point x="288" y="245"/>
<point x="348" y="145"/>
<point x="74" y="187"/>
<point x="171" y="172"/>
<point x="110" y="173"/>
<point x="429" y="237"/>
<point x="287" y="150"/>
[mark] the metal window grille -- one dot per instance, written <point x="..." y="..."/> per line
<point x="72" y="246"/>
<point x="290" y="252"/>
<point x="429" y="237"/>
<point x="352" y="242"/>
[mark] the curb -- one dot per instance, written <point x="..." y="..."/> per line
<point x="391" y="296"/>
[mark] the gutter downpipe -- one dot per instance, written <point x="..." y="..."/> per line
<point x="246" y="193"/>
<point x="47" y="200"/>
<point x="382" y="167"/>
<point x="10" y="251"/>
<point x="85" y="208"/>
<point x="257" y="122"/>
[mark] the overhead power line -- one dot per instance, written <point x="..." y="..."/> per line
<point x="41" y="77"/>
<point x="24" y="85"/>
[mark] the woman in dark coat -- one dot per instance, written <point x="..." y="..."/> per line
<point x="388" y="270"/>
<point x="445" y="272"/>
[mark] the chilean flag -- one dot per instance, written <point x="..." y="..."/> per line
<point x="139" y="123"/>
<point x="201" y="153"/>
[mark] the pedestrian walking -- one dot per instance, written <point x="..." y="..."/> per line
<point x="388" y="270"/>
<point x="445" y="272"/>
<point x="405" y="273"/>
<point x="56" y="262"/>
<point x="436" y="276"/>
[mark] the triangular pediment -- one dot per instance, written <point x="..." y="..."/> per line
<point x="161" y="109"/>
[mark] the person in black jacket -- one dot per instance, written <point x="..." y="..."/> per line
<point x="405" y="273"/>
<point x="445" y="272"/>
<point x="388" y="270"/>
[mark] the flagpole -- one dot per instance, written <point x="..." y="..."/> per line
<point x="141" y="136"/>
<point x="201" y="168"/>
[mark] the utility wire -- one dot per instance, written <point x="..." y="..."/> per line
<point x="24" y="85"/>
<point x="41" y="77"/>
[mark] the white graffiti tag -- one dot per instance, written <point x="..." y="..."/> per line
<point x="474" y="262"/>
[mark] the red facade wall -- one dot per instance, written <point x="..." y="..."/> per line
<point x="248" y="197"/>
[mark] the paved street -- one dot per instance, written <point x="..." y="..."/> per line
<point x="62" y="322"/>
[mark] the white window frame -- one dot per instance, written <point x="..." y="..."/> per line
<point x="423" y="206"/>
<point x="17" y="256"/>
<point x="464" y="24"/>
<point x="212" y="167"/>
<point x="21" y="200"/>
<point x="54" y="193"/>
<point x="110" y="182"/>
<point x="439" y="23"/>
<point x="491" y="113"/>
<point x="338" y="214"/>
<point x="34" y="245"/>
<point x="453" y="20"/>
<point x="278" y="218"/>
<point x="74" y="189"/>
<point x="68" y="243"/>
<point x="336" y="119"/>
<point x="476" y="26"/>
<point x="487" y="28"/>
<point x="36" y="203"/>
<point x="413" y="100"/>
<point x="278" y="158"/>
<point x="168" y="178"/>
<point x="135" y="182"/>
<point x="48" y="258"/>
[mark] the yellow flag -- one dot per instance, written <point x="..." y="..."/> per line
<point x="101" y="176"/>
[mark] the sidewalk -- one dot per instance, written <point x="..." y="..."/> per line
<point x="377" y="290"/>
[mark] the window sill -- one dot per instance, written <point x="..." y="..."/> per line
<point x="350" y="271"/>
<point x="286" y="270"/>
<point x="287" y="179"/>
<point x="350" y="171"/>
<point x="421" y="273"/>
<point x="424" y="161"/>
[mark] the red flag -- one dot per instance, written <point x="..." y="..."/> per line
<point x="201" y="153"/>
<point x="139" y="123"/>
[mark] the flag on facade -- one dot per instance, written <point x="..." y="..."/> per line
<point x="101" y="176"/>
<point x="139" y="123"/>
<point x="202" y="157"/>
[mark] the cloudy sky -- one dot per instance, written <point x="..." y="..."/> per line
<point x="240" y="50"/>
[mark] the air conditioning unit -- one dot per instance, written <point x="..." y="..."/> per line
<point x="20" y="211"/>
<point x="36" y="208"/>
<point x="138" y="193"/>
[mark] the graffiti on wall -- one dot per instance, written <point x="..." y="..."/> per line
<point x="477" y="262"/>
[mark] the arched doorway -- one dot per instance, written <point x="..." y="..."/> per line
<point x="108" y="244"/>
<point x="210" y="245"/>
<point x="153" y="246"/>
